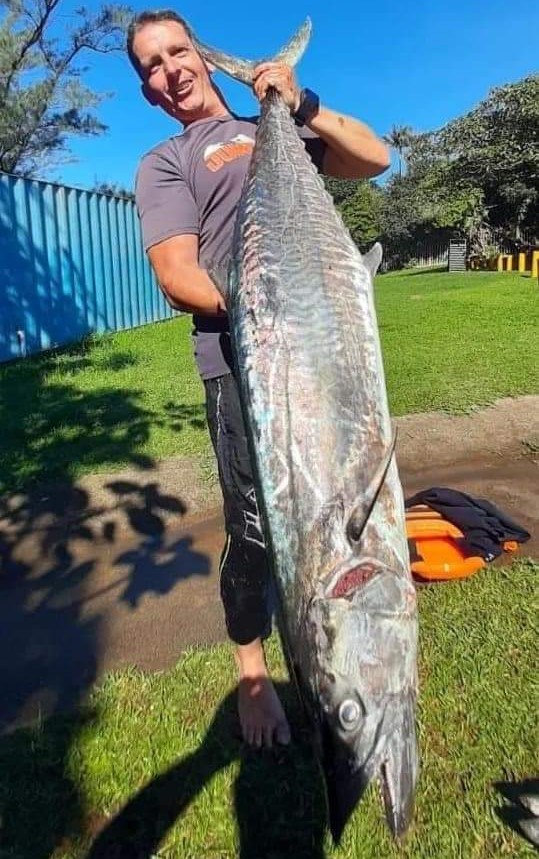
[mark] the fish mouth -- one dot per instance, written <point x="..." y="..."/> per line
<point x="392" y="757"/>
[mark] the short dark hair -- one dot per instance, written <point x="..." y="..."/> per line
<point x="151" y="17"/>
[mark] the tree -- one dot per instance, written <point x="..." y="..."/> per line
<point x="400" y="138"/>
<point x="359" y="205"/>
<point x="361" y="214"/>
<point x="42" y="98"/>
<point x="495" y="147"/>
<point x="113" y="189"/>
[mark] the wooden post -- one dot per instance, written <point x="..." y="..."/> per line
<point x="535" y="264"/>
<point x="521" y="262"/>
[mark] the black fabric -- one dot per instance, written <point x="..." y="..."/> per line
<point x="484" y="526"/>
<point x="246" y="585"/>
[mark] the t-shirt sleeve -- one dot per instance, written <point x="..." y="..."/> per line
<point x="165" y="204"/>
<point x="314" y="145"/>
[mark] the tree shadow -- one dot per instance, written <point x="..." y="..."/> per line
<point x="50" y="545"/>
<point x="278" y="796"/>
<point x="53" y="621"/>
<point x="185" y="415"/>
<point x="39" y="802"/>
<point x="513" y="813"/>
<point x="53" y="534"/>
<point x="435" y="269"/>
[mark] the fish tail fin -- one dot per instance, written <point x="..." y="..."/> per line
<point x="243" y="70"/>
<point x="292" y="52"/>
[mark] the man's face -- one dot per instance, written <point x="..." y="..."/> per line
<point x="175" y="76"/>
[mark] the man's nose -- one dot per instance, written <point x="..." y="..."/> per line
<point x="170" y="67"/>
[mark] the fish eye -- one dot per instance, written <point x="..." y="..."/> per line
<point x="349" y="714"/>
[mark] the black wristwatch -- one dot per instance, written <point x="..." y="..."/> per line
<point x="309" y="105"/>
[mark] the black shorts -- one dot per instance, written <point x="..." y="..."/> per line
<point x="246" y="589"/>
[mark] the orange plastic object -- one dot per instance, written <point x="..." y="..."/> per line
<point x="510" y="546"/>
<point x="435" y="542"/>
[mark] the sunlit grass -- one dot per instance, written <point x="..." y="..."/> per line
<point x="450" y="342"/>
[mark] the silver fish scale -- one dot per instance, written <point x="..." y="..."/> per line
<point x="307" y="345"/>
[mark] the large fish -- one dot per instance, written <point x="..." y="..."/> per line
<point x="305" y="340"/>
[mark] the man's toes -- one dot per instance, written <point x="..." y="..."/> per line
<point x="282" y="733"/>
<point x="268" y="736"/>
<point x="248" y="733"/>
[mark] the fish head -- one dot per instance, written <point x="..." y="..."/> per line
<point x="364" y="649"/>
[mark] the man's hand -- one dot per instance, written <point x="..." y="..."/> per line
<point x="282" y="78"/>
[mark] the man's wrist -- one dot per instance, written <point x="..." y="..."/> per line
<point x="309" y="105"/>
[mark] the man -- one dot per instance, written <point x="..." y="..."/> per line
<point x="187" y="193"/>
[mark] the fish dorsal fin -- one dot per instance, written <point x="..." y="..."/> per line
<point x="243" y="70"/>
<point x="373" y="258"/>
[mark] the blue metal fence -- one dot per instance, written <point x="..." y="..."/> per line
<point x="71" y="262"/>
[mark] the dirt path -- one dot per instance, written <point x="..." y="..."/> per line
<point x="121" y="570"/>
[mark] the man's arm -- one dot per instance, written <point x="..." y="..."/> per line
<point x="185" y="285"/>
<point x="353" y="150"/>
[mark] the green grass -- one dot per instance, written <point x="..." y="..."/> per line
<point x="114" y="401"/>
<point x="450" y="342"/>
<point x="164" y="744"/>
<point x="454" y="341"/>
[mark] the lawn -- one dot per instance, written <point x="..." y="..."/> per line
<point x="163" y="747"/>
<point x="450" y="342"/>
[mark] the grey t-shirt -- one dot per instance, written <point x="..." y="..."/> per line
<point x="191" y="184"/>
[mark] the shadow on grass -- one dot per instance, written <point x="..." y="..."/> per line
<point x="278" y="796"/>
<point x="435" y="269"/>
<point x="66" y="558"/>
<point x="40" y="805"/>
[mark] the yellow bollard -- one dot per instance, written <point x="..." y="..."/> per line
<point x="505" y="262"/>
<point x="521" y="262"/>
<point x="535" y="264"/>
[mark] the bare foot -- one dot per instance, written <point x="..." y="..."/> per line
<point x="262" y="717"/>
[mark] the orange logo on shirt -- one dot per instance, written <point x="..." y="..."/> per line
<point x="219" y="154"/>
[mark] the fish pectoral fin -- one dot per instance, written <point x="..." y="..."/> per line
<point x="362" y="511"/>
<point x="373" y="258"/>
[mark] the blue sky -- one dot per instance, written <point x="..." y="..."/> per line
<point x="413" y="62"/>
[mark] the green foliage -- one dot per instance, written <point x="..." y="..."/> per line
<point x="496" y="147"/>
<point x="361" y="213"/>
<point x="478" y="177"/>
<point x="359" y="204"/>
<point x="113" y="188"/>
<point x="42" y="98"/>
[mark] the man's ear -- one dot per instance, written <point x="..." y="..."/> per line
<point x="211" y="68"/>
<point x="148" y="94"/>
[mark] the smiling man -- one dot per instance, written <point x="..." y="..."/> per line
<point x="187" y="192"/>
